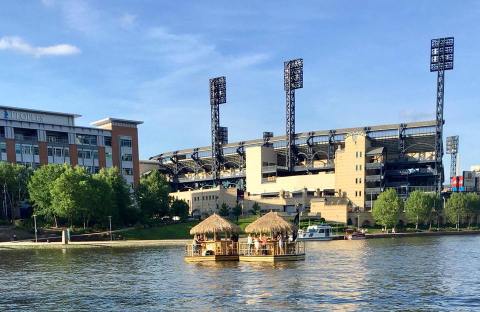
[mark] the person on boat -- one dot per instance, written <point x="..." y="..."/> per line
<point x="264" y="244"/>
<point x="195" y="244"/>
<point x="249" y="244"/>
<point x="280" y="244"/>
<point x="257" y="244"/>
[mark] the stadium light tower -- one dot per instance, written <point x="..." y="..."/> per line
<point x="293" y="79"/>
<point x="218" y="95"/>
<point x="441" y="59"/>
<point x="452" y="149"/>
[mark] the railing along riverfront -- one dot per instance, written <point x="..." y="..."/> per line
<point x="211" y="248"/>
<point x="272" y="248"/>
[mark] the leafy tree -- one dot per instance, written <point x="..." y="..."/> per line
<point x="101" y="200"/>
<point x="387" y="208"/>
<point x="237" y="210"/>
<point x="13" y="180"/>
<point x="224" y="210"/>
<point x="122" y="210"/>
<point x="179" y="208"/>
<point x="70" y="194"/>
<point x="255" y="209"/>
<point x="456" y="208"/>
<point x="473" y="206"/>
<point x="418" y="207"/>
<point x="39" y="186"/>
<point x="152" y="195"/>
<point x="437" y="208"/>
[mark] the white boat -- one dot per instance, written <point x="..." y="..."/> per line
<point x="318" y="232"/>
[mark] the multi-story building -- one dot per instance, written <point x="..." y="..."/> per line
<point x="35" y="137"/>
<point x="338" y="172"/>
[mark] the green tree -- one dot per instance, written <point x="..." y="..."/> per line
<point x="39" y="186"/>
<point x="179" y="208"/>
<point x="437" y="208"/>
<point x="473" y="206"/>
<point x="122" y="210"/>
<point x="255" y="208"/>
<point x="152" y="195"/>
<point x="224" y="210"/>
<point x="418" y="207"/>
<point x="13" y="181"/>
<point x="70" y="195"/>
<point x="237" y="210"/>
<point x="387" y="208"/>
<point x="456" y="208"/>
<point x="101" y="201"/>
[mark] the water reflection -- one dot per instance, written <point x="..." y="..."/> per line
<point x="386" y="274"/>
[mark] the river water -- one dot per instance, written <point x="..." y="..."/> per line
<point x="407" y="274"/>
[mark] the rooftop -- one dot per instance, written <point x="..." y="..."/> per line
<point x="37" y="111"/>
<point x="109" y="120"/>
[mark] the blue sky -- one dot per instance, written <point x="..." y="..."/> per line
<point x="366" y="62"/>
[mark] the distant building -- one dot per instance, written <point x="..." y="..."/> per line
<point x="35" y="137"/>
<point x="338" y="173"/>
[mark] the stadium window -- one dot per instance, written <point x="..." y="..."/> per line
<point x="359" y="193"/>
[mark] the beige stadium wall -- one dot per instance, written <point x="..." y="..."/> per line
<point x="205" y="201"/>
<point x="258" y="154"/>
<point x="347" y="169"/>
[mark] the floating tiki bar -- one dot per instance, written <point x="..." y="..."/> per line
<point x="208" y="243"/>
<point x="270" y="241"/>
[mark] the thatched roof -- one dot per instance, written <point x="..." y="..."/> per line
<point x="214" y="224"/>
<point x="270" y="222"/>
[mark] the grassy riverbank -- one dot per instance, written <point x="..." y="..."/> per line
<point x="170" y="231"/>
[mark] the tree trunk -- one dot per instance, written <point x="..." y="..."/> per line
<point x="56" y="222"/>
<point x="416" y="224"/>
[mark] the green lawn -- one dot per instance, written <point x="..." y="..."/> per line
<point x="171" y="231"/>
<point x="244" y="221"/>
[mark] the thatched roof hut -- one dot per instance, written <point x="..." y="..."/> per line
<point x="270" y="222"/>
<point x="215" y="224"/>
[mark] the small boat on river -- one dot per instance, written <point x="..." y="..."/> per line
<point x="351" y="234"/>
<point x="317" y="232"/>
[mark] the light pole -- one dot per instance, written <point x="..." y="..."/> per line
<point x="35" y="225"/>
<point x="110" y="221"/>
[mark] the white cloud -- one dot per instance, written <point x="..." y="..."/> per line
<point x="128" y="20"/>
<point x="17" y="44"/>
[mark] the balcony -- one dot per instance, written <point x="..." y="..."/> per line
<point x="374" y="178"/>
<point x="376" y="165"/>
<point x="373" y="190"/>
<point x="57" y="140"/>
<point x="26" y="138"/>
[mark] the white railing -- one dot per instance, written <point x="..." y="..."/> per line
<point x="271" y="248"/>
<point x="211" y="248"/>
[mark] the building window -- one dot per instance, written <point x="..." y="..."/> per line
<point x="360" y="154"/>
<point x="50" y="151"/>
<point x="127" y="157"/>
<point x="108" y="141"/>
<point x="356" y="154"/>
<point x="86" y="139"/>
<point x="356" y="181"/>
<point x="127" y="171"/>
<point x="359" y="193"/>
<point x="66" y="152"/>
<point x="3" y="147"/>
<point x="126" y="142"/>
<point x="356" y="193"/>
<point x="95" y="154"/>
<point x="360" y="180"/>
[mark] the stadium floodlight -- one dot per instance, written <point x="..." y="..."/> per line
<point x="218" y="90"/>
<point x="223" y="135"/>
<point x="452" y="144"/>
<point x="293" y="74"/>
<point x="267" y="135"/>
<point x="441" y="59"/>
<point x="218" y="95"/>
<point x="292" y="80"/>
<point x="452" y="149"/>
<point x="441" y="54"/>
